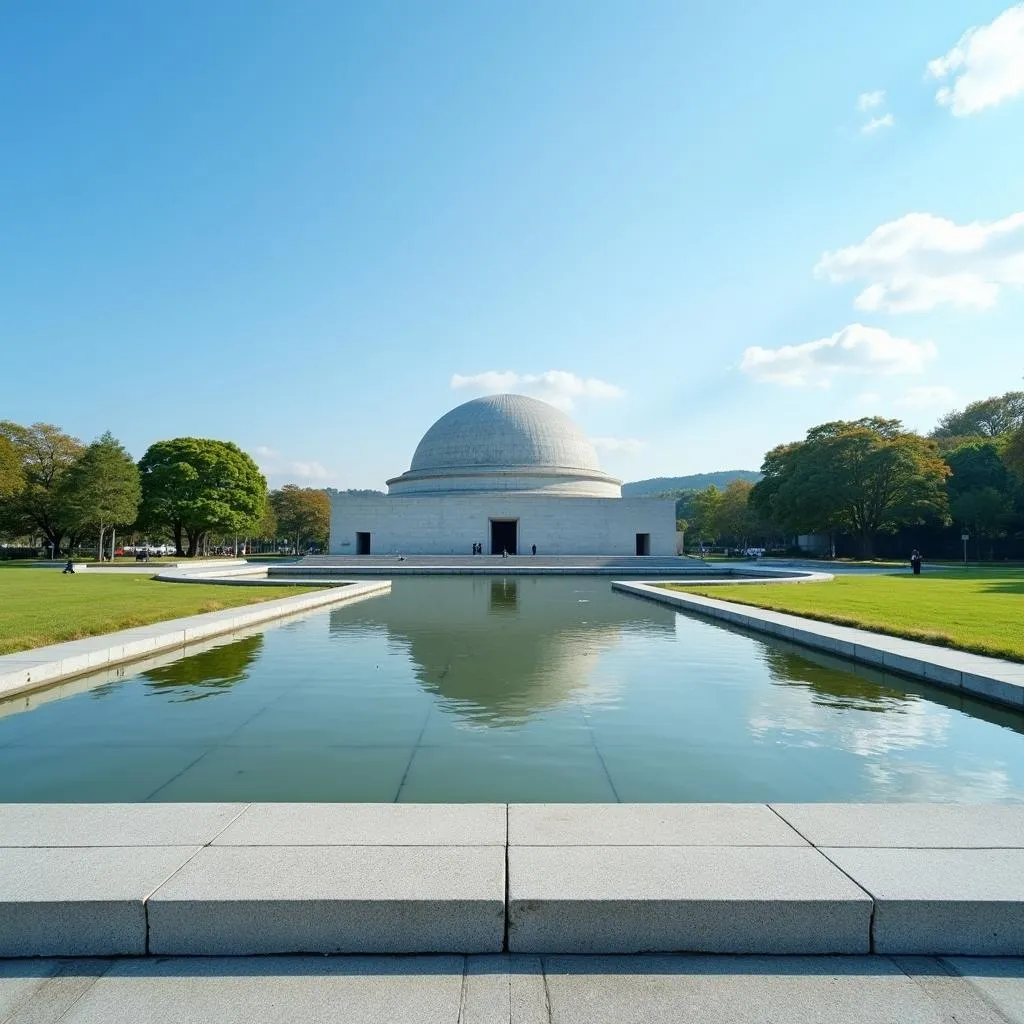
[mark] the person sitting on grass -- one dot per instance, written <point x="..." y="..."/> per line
<point x="69" y="568"/>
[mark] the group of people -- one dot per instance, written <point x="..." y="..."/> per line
<point x="478" y="549"/>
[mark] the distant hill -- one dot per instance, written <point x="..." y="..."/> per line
<point x="694" y="482"/>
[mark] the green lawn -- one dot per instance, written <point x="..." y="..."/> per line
<point x="43" y="606"/>
<point x="980" y="611"/>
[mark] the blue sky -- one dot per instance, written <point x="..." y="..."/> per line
<point x="701" y="228"/>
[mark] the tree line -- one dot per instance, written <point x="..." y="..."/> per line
<point x="188" y="489"/>
<point x="861" y="483"/>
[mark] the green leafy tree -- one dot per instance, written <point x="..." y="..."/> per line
<point x="707" y="506"/>
<point x="736" y="518"/>
<point x="45" y="454"/>
<point x="1013" y="453"/>
<point x="863" y="477"/>
<point x="985" y="511"/>
<point x="102" y="489"/>
<point x="11" y="478"/>
<point x="974" y="465"/>
<point x="989" y="417"/>
<point x="193" y="485"/>
<point x="303" y="514"/>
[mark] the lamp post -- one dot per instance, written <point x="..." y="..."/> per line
<point x="965" y="537"/>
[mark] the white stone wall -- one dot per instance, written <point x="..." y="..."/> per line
<point x="450" y="524"/>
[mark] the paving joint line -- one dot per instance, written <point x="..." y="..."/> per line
<point x="508" y="889"/>
<point x="81" y="995"/>
<point x="159" y="886"/>
<point x="817" y="849"/>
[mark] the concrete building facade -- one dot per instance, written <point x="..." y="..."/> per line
<point x="509" y="473"/>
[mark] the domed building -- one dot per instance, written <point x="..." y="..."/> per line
<point x="509" y="473"/>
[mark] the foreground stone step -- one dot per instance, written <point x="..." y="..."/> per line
<point x="630" y="899"/>
<point x="86" y="901"/>
<point x="965" y="902"/>
<point x="233" y="900"/>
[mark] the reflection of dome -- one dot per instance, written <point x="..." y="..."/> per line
<point x="506" y="443"/>
<point x="497" y="651"/>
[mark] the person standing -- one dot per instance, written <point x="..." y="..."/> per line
<point x="915" y="561"/>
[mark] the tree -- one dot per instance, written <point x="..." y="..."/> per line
<point x="735" y="518"/>
<point x="986" y="512"/>
<point x="989" y="417"/>
<point x="974" y="465"/>
<point x="303" y="513"/>
<point x="102" y="488"/>
<point x="706" y="509"/>
<point x="11" y="478"/>
<point x="863" y="477"/>
<point x="191" y="485"/>
<point x="45" y="454"/>
<point x="1013" y="453"/>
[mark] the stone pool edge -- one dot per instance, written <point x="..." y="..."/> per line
<point x="993" y="679"/>
<point x="250" y="878"/>
<point x="40" y="667"/>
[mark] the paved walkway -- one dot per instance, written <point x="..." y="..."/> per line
<point x="514" y="990"/>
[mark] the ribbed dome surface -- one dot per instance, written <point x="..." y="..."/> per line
<point x="504" y="431"/>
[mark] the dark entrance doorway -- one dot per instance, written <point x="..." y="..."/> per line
<point x="362" y="543"/>
<point x="643" y="543"/>
<point x="504" y="536"/>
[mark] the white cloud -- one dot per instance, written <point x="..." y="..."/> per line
<point x="308" y="470"/>
<point x="986" y="66"/>
<point x="855" y="349"/>
<point x="927" y="397"/>
<point x="921" y="261"/>
<point x="279" y="470"/>
<point x="619" y="445"/>
<point x="872" y="126"/>
<point x="869" y="398"/>
<point x="559" y="387"/>
<point x="870" y="100"/>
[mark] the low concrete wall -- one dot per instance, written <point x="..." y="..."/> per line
<point x="993" y="679"/>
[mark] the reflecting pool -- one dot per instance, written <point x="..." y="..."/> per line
<point x="491" y="688"/>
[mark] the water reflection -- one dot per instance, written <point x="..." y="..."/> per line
<point x="504" y="595"/>
<point x="833" y="686"/>
<point x="500" y="650"/>
<point x="209" y="674"/>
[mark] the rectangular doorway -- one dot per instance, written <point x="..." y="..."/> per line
<point x="504" y="536"/>
<point x="362" y="543"/>
<point x="643" y="543"/>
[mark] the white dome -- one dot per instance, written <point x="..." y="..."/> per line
<point x="503" y="443"/>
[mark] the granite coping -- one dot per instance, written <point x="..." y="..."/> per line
<point x="618" y="899"/>
<point x="936" y="826"/>
<point x="42" y="666"/>
<point x="85" y="901"/>
<point x="232" y="879"/>
<point x="649" y="825"/>
<point x="931" y="901"/>
<point x="311" y="824"/>
<point x="122" y="825"/>
<point x="233" y="900"/>
<point x="995" y="679"/>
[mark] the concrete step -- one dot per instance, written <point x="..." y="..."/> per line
<point x="231" y="879"/>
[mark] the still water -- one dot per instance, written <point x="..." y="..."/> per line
<point x="490" y="688"/>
